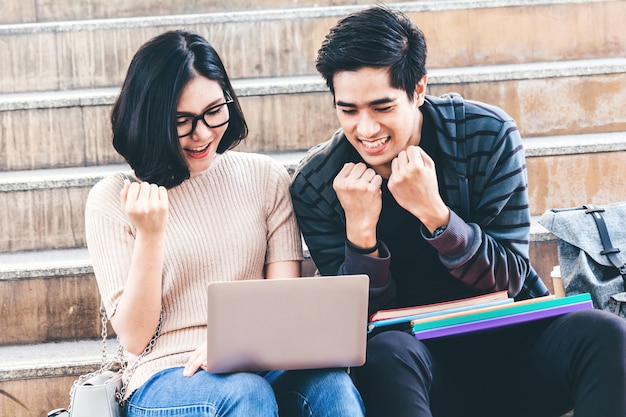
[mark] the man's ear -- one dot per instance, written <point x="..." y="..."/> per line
<point x="420" y="90"/>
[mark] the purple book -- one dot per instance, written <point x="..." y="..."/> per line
<point x="446" y="328"/>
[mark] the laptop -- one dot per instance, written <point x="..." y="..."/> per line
<point x="283" y="324"/>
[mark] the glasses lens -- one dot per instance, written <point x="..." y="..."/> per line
<point x="184" y="127"/>
<point x="217" y="116"/>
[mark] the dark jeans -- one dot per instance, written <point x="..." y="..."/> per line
<point x="543" y="368"/>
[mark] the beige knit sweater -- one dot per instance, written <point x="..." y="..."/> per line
<point x="224" y="224"/>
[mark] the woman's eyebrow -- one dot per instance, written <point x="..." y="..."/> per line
<point x="211" y="104"/>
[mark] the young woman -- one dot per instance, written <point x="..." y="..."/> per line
<point x="193" y="212"/>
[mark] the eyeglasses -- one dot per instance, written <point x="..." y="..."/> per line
<point x="212" y="117"/>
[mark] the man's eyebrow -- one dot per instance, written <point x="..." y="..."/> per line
<point x="344" y="104"/>
<point x="385" y="100"/>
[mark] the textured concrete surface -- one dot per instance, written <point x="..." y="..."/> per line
<point x="295" y="113"/>
<point x="273" y="42"/>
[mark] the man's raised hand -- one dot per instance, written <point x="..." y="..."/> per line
<point x="413" y="184"/>
<point x="358" y="190"/>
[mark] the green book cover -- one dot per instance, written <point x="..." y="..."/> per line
<point x="511" y="309"/>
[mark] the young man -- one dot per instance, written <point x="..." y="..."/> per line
<point x="428" y="196"/>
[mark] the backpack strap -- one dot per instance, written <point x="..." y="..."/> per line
<point x="459" y="119"/>
<point x="609" y="251"/>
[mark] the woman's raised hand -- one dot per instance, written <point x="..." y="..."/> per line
<point x="146" y="205"/>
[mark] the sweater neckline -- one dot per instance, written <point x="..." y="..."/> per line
<point x="216" y="161"/>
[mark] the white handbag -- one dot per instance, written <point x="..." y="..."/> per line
<point x="97" y="396"/>
<point x="101" y="393"/>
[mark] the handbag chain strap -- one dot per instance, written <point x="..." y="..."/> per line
<point x="609" y="251"/>
<point x="118" y="359"/>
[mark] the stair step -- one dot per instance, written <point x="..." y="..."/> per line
<point x="48" y="296"/>
<point x="72" y="262"/>
<point x="545" y="98"/>
<point x="63" y="299"/>
<point x="44" y="264"/>
<point x="40" y="376"/>
<point x="42" y="179"/>
<point x="295" y="84"/>
<point x="42" y="11"/>
<point x="535" y="147"/>
<point x="79" y="177"/>
<point x="44" y="209"/>
<point x="45" y="360"/>
<point x="571" y="170"/>
<point x="96" y="53"/>
<point x="292" y="113"/>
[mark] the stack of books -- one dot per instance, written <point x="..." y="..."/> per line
<point x="474" y="314"/>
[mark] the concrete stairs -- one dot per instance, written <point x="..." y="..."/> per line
<point x="557" y="67"/>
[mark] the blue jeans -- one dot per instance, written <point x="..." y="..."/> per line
<point x="316" y="392"/>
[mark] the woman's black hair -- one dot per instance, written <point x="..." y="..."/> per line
<point x="375" y="37"/>
<point x="143" y="118"/>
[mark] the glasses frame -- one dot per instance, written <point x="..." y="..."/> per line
<point x="196" y="118"/>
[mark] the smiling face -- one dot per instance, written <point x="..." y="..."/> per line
<point x="199" y="95"/>
<point x="378" y="120"/>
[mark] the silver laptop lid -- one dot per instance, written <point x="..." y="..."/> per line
<point x="297" y="323"/>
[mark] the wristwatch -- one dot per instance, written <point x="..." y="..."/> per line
<point x="438" y="231"/>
